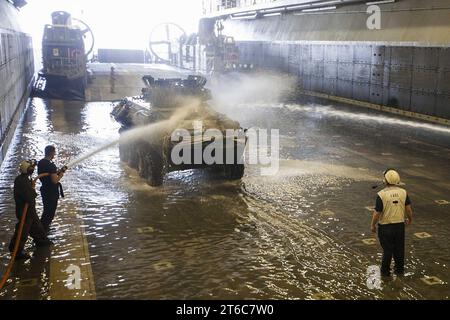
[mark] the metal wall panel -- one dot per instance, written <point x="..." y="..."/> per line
<point x="301" y="68"/>
<point x="411" y="78"/>
<point x="316" y="84"/>
<point x="423" y="102"/>
<point x="443" y="106"/>
<point x="379" y="55"/>
<point x="331" y="53"/>
<point x="258" y="53"/>
<point x="275" y="50"/>
<point x="317" y="69"/>
<point x="361" y="73"/>
<point x="385" y="95"/>
<point x="443" y="85"/>
<point x="331" y="70"/>
<point x="305" y="52"/>
<point x="401" y="56"/>
<point x="387" y="76"/>
<point x="444" y="58"/>
<point x="345" y="53"/>
<point x="424" y="80"/>
<point x="317" y="52"/>
<point x="376" y="94"/>
<point x="377" y="74"/>
<point x="294" y="69"/>
<point x="294" y="54"/>
<point x="345" y="71"/>
<point x="284" y="57"/>
<point x="330" y="86"/>
<point x="306" y="82"/>
<point x="345" y="88"/>
<point x="400" y="77"/>
<point x="399" y="98"/>
<point x="427" y="58"/>
<point x="307" y="68"/>
<point x="362" y="54"/>
<point x="361" y="91"/>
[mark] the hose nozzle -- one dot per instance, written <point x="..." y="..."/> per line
<point x="63" y="169"/>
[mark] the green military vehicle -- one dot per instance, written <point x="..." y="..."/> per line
<point x="176" y="129"/>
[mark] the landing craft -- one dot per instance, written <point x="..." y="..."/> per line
<point x="64" y="73"/>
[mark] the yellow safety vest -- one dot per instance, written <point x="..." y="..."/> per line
<point x="394" y="203"/>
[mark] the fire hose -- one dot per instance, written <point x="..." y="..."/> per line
<point x="16" y="247"/>
<point x="19" y="236"/>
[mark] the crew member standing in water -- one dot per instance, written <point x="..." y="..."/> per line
<point x="51" y="187"/>
<point x="24" y="193"/>
<point x="392" y="211"/>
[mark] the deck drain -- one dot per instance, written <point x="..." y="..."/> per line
<point x="322" y="296"/>
<point x="163" y="265"/>
<point x="442" y="202"/>
<point x="370" y="241"/>
<point x="146" y="230"/>
<point x="422" y="235"/>
<point x="431" y="281"/>
<point x="327" y="213"/>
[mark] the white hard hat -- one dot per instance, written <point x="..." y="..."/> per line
<point x="391" y="177"/>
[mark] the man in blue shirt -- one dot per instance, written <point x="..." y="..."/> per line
<point x="51" y="186"/>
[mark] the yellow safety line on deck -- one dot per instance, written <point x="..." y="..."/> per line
<point x="378" y="107"/>
<point x="73" y="252"/>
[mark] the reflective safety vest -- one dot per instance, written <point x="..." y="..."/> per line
<point x="394" y="202"/>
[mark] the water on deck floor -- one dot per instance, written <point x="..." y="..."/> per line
<point x="297" y="235"/>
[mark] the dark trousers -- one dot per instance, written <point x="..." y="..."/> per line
<point x="392" y="240"/>
<point x="32" y="227"/>
<point x="50" y="202"/>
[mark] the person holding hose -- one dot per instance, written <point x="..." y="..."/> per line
<point x="51" y="187"/>
<point x="24" y="193"/>
<point x="392" y="212"/>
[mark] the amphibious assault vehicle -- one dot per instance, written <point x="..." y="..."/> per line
<point x="171" y="127"/>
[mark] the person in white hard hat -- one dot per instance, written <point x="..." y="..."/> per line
<point x="392" y="212"/>
<point x="24" y="193"/>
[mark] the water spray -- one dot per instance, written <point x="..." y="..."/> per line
<point x="140" y="132"/>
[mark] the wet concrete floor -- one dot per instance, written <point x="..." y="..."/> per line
<point x="301" y="234"/>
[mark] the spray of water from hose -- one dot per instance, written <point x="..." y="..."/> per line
<point x="143" y="132"/>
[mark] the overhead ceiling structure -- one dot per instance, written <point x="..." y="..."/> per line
<point x="287" y="6"/>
